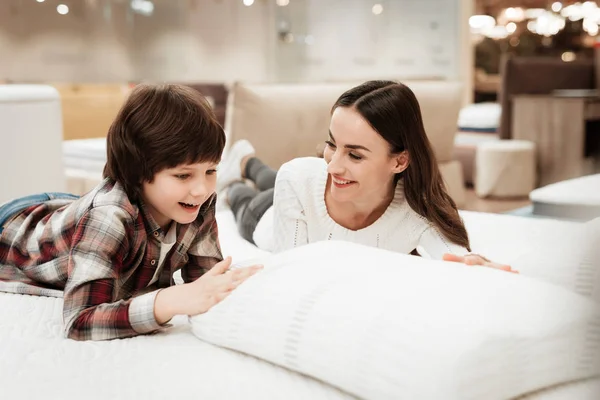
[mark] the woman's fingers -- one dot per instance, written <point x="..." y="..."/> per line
<point x="475" y="259"/>
<point x="503" y="267"/>
<point x="453" y="258"/>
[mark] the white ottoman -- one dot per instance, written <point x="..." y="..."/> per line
<point x="577" y="199"/>
<point x="505" y="168"/>
<point x="30" y="138"/>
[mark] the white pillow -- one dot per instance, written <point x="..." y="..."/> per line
<point x="382" y="325"/>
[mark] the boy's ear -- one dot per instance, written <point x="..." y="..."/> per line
<point x="401" y="160"/>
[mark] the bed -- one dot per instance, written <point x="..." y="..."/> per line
<point x="35" y="360"/>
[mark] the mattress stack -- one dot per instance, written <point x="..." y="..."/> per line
<point x="84" y="161"/>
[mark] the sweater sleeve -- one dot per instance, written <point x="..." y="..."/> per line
<point x="289" y="217"/>
<point x="434" y="244"/>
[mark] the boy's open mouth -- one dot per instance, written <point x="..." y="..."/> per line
<point x="189" y="206"/>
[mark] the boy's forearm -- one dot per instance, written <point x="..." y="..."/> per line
<point x="168" y="303"/>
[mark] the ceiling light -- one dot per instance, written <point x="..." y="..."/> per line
<point x="143" y="7"/>
<point x="481" y="23"/>
<point x="556" y="6"/>
<point x="62" y="9"/>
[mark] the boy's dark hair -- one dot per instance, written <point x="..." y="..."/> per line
<point x="159" y="127"/>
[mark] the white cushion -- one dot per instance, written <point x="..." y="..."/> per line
<point x="382" y="325"/>
<point x="480" y="116"/>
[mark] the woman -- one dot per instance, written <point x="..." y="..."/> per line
<point x="378" y="184"/>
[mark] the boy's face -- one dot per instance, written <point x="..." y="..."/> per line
<point x="176" y="194"/>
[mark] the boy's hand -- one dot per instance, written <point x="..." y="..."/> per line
<point x="215" y="285"/>
<point x="199" y="296"/>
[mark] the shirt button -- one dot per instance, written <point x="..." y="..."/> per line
<point x="153" y="262"/>
<point x="156" y="233"/>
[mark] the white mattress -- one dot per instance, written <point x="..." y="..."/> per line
<point x="577" y="198"/>
<point x="175" y="364"/>
<point x="83" y="161"/>
<point x="86" y="148"/>
<point x="85" y="154"/>
<point x="36" y="362"/>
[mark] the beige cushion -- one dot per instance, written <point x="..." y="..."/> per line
<point x="285" y="121"/>
<point x="281" y="121"/>
<point x="440" y="105"/>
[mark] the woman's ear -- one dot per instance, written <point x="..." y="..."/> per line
<point x="401" y="161"/>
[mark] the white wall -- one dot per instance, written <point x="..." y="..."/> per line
<point x="213" y="40"/>
<point x="466" y="69"/>
<point x="409" y="39"/>
<point x="222" y="40"/>
<point x="39" y="44"/>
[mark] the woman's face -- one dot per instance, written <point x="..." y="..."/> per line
<point x="360" y="166"/>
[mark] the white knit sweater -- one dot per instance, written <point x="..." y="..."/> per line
<point x="299" y="216"/>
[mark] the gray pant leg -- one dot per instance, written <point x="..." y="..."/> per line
<point x="248" y="206"/>
<point x="260" y="173"/>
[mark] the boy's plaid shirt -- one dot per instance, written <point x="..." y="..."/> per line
<point x="100" y="252"/>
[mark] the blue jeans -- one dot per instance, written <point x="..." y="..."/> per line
<point x="13" y="207"/>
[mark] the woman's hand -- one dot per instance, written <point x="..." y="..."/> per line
<point x="476" y="259"/>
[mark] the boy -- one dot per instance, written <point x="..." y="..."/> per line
<point x="112" y="253"/>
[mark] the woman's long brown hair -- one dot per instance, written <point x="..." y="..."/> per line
<point x="392" y="109"/>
